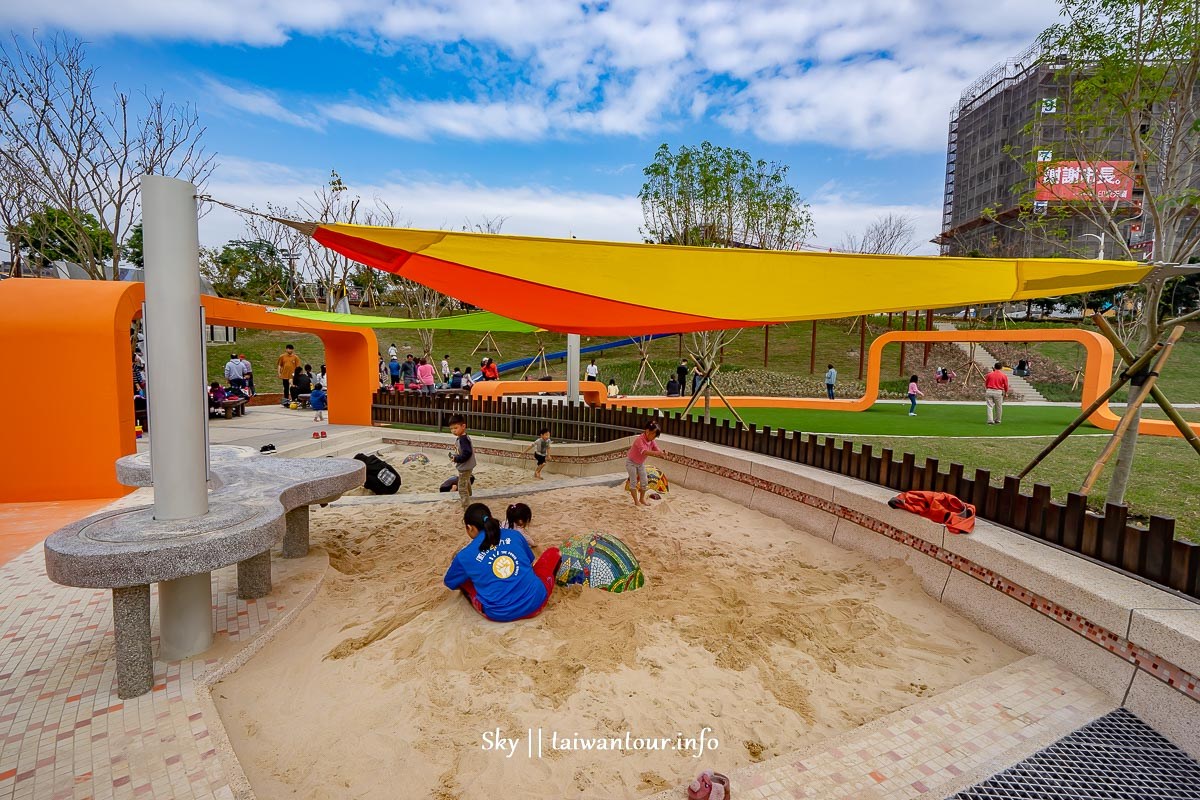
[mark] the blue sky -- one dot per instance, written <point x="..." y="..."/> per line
<point x="545" y="112"/>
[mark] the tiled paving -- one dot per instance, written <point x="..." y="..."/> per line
<point x="930" y="749"/>
<point x="63" y="731"/>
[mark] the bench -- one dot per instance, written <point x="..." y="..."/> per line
<point x="234" y="408"/>
<point x="256" y="503"/>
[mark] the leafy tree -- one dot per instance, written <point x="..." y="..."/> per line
<point x="242" y="268"/>
<point x="1130" y="72"/>
<point x="133" y="249"/>
<point x="711" y="196"/>
<point x="53" y="234"/>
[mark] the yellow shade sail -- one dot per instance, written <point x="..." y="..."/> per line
<point x="595" y="288"/>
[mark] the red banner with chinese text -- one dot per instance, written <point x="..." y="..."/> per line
<point x="1081" y="180"/>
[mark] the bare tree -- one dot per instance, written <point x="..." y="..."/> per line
<point x="84" y="153"/>
<point x="887" y="234"/>
<point x="333" y="202"/>
<point x="18" y="200"/>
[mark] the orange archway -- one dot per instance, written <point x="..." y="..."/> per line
<point x="72" y="415"/>
<point x="1098" y="370"/>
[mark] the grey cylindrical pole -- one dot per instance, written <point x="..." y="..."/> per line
<point x="185" y="617"/>
<point x="572" y="367"/>
<point x="178" y="448"/>
<point x="172" y="247"/>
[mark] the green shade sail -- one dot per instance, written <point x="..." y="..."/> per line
<point x="482" y="322"/>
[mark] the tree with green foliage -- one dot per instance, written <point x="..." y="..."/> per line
<point x="1130" y="75"/>
<point x="711" y="196"/>
<point x="53" y="234"/>
<point x="134" y="250"/>
<point x="242" y="268"/>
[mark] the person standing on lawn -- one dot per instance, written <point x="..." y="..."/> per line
<point x="285" y="368"/>
<point x="995" y="389"/>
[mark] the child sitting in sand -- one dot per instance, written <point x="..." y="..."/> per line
<point x="517" y="518"/>
<point x="497" y="572"/>
<point x="635" y="462"/>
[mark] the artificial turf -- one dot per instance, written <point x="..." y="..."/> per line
<point x="933" y="419"/>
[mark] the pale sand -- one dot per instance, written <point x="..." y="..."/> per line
<point x="418" y="478"/>
<point x="772" y="638"/>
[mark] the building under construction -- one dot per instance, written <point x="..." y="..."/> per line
<point x="1003" y="123"/>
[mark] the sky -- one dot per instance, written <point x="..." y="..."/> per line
<point x="544" y="113"/>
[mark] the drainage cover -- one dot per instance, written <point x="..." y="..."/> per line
<point x="1116" y="757"/>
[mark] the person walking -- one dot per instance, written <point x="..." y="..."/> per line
<point x="446" y="368"/>
<point x="995" y="385"/>
<point x="681" y="373"/>
<point x="593" y="372"/>
<point x="913" y="393"/>
<point x="830" y="380"/>
<point x="285" y="368"/>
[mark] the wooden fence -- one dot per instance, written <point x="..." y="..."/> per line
<point x="1151" y="553"/>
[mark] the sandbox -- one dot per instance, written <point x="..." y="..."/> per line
<point x="421" y="478"/>
<point x="748" y="632"/>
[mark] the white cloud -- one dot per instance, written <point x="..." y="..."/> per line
<point x="259" y="102"/>
<point x="426" y="203"/>
<point x="529" y="210"/>
<point x="876" y="75"/>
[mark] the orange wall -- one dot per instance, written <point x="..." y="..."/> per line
<point x="1097" y="374"/>
<point x="64" y="428"/>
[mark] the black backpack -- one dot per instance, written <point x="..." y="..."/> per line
<point x="381" y="478"/>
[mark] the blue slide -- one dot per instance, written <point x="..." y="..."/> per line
<point x="561" y="355"/>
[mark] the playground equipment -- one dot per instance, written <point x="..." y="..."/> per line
<point x="95" y="424"/>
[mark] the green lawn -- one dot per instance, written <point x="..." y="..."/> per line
<point x="940" y="419"/>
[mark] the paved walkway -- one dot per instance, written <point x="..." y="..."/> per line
<point x="937" y="746"/>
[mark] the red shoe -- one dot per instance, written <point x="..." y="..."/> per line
<point x="323" y="435"/>
<point x="316" y="435"/>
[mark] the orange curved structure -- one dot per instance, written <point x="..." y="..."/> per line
<point x="594" y="393"/>
<point x="65" y="428"/>
<point x="1098" y="370"/>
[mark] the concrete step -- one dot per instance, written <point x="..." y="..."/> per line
<point x="336" y="445"/>
<point x="985" y="360"/>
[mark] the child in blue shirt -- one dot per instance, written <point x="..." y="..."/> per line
<point x="318" y="399"/>
<point x="497" y="572"/>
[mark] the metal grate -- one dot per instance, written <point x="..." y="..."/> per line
<point x="1116" y="757"/>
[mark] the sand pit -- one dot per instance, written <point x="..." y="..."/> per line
<point x="417" y="478"/>
<point x="389" y="685"/>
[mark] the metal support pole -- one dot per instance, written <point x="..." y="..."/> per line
<point x="903" y="327"/>
<point x="928" y="345"/>
<point x="862" y="345"/>
<point x="178" y="451"/>
<point x="812" y="350"/>
<point x="573" y="367"/>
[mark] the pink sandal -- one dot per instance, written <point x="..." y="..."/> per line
<point x="709" y="785"/>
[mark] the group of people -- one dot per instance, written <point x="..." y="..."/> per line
<point x="299" y="380"/>
<point x="417" y="373"/>
<point x="497" y="571"/>
<point x="995" y="389"/>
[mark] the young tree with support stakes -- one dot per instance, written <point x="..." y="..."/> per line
<point x="711" y="196"/>
<point x="1131" y="74"/>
